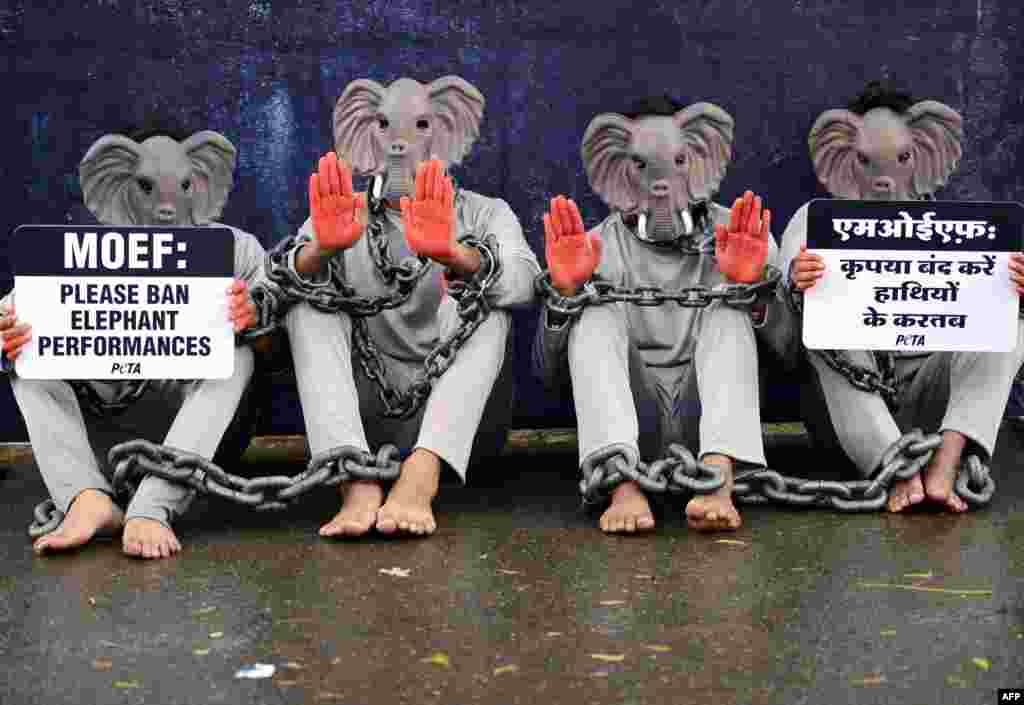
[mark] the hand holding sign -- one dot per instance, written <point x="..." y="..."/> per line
<point x="807" y="268"/>
<point x="1017" y="271"/>
<point x="15" y="335"/>
<point x="742" y="246"/>
<point x="334" y="206"/>
<point x="241" y="307"/>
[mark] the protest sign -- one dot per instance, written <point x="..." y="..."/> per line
<point x="124" y="302"/>
<point x="921" y="275"/>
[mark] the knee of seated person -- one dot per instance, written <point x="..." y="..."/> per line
<point x="51" y="387"/>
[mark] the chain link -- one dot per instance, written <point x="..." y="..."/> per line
<point x="597" y="292"/>
<point x="681" y="473"/>
<point x="134" y="460"/>
<point x="334" y="295"/>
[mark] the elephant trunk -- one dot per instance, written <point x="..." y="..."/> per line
<point x="663" y="225"/>
<point x="398" y="180"/>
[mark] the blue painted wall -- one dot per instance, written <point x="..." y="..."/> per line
<point x="266" y="73"/>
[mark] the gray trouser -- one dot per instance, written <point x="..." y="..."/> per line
<point x="71" y="448"/>
<point x="963" y="391"/>
<point x="710" y="404"/>
<point x="337" y="397"/>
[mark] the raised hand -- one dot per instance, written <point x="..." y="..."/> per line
<point x="429" y="218"/>
<point x="1017" y="271"/>
<point x="572" y="256"/>
<point x="807" y="268"/>
<point x="742" y="246"/>
<point x="15" y="335"/>
<point x="241" y="307"/>
<point x="334" y="206"/>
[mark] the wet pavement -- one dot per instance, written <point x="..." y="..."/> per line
<point x="519" y="598"/>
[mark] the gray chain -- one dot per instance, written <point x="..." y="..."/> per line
<point x="680" y="472"/>
<point x="134" y="460"/>
<point x="95" y="405"/>
<point x="334" y="295"/>
<point x="597" y="292"/>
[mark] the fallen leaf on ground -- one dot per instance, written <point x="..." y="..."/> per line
<point x="553" y="634"/>
<point x="982" y="663"/>
<point x="483" y="556"/>
<point x="286" y="684"/>
<point x="920" y="576"/>
<point x="205" y="610"/>
<point x="660" y="648"/>
<point x="643" y="576"/>
<point x="608" y="658"/>
<point x="216" y="635"/>
<point x="612" y="603"/>
<point x="509" y="572"/>
<point x="102" y="664"/>
<point x="921" y="588"/>
<point x="888" y="632"/>
<point x="125" y="685"/>
<point x="731" y="542"/>
<point x="256" y="671"/>
<point x="201" y="652"/>
<point x="294" y="666"/>
<point x="396" y="572"/>
<point x="511" y="668"/>
<point x="92" y="601"/>
<point x="599" y="674"/>
<point x="876" y="679"/>
<point x="438" y="659"/>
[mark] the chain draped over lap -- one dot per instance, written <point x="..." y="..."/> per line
<point x="135" y="459"/>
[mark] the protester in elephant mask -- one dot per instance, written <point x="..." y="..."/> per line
<point x="645" y="377"/>
<point x="405" y="135"/>
<point x="155" y="177"/>
<point x="887" y="146"/>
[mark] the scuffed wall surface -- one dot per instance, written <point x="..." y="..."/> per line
<point x="266" y="74"/>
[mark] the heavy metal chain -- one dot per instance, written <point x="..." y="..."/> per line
<point x="134" y="460"/>
<point x="680" y="472"/>
<point x="598" y="291"/>
<point x="95" y="405"/>
<point x="334" y="295"/>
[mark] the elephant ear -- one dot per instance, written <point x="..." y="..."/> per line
<point x="708" y="133"/>
<point x="938" y="131"/>
<point x="832" y="143"/>
<point x="106" y="174"/>
<point x="460" y="107"/>
<point x="213" y="167"/>
<point x="355" y="115"/>
<point x="606" y="158"/>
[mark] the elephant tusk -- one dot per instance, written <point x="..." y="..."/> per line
<point x="641" y="225"/>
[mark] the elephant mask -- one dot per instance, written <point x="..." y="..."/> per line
<point x="158" y="182"/>
<point x="659" y="168"/>
<point x="389" y="131"/>
<point x="885" y="155"/>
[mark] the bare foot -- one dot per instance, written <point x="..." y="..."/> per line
<point x="358" y="511"/>
<point x="906" y="493"/>
<point x="629" y="511"/>
<point x="146" y="538"/>
<point x="715" y="512"/>
<point x="407" y="508"/>
<point x="90" y="513"/>
<point x="940" y="474"/>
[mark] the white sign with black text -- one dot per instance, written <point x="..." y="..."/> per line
<point x="124" y="302"/>
<point x="925" y="276"/>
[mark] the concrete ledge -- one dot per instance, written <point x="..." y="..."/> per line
<point x="293" y="449"/>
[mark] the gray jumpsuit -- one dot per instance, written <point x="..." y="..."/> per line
<point x="647" y="377"/>
<point x="962" y="391"/>
<point x="70" y="446"/>
<point x="337" y="398"/>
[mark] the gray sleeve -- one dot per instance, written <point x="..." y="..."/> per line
<point x="780" y="329"/>
<point x="249" y="258"/>
<point x="519" y="267"/>
<point x="551" y="352"/>
<point x="793" y="238"/>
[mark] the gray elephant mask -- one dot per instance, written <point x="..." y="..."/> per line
<point x="158" y="182"/>
<point x="659" y="168"/>
<point x="885" y="155"/>
<point x="389" y="131"/>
